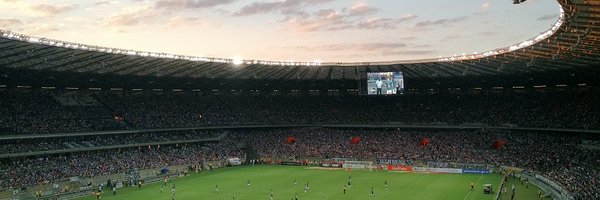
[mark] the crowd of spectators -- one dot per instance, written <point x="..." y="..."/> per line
<point x="82" y="142"/>
<point x="557" y="156"/>
<point x="554" y="155"/>
<point x="51" y="169"/>
<point x="543" y="110"/>
<point x="38" y="111"/>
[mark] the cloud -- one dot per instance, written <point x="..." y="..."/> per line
<point x="190" y="4"/>
<point x="41" y="29"/>
<point x="363" y="47"/>
<point x="547" y="17"/>
<point x="179" y="21"/>
<point x="10" y="23"/>
<point x="381" y="45"/>
<point x="453" y="37"/>
<point x="163" y="13"/>
<point x="410" y="52"/>
<point x="409" y="38"/>
<point x="335" y="21"/>
<point x="330" y="20"/>
<point x="101" y="3"/>
<point x="486" y="5"/>
<point x="30" y="28"/>
<point x="422" y="46"/>
<point x="481" y="13"/>
<point x="347" y="18"/>
<point x="48" y="9"/>
<point x="289" y="13"/>
<point x="297" y="20"/>
<point x="130" y="17"/>
<point x="488" y="33"/>
<point x="362" y="9"/>
<point x="276" y="6"/>
<point x="265" y="7"/>
<point x="323" y="19"/>
<point x="75" y="20"/>
<point x="377" y="23"/>
<point x="439" y="22"/>
<point x="406" y="17"/>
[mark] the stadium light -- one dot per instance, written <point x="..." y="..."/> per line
<point x="237" y="61"/>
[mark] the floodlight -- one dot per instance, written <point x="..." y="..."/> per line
<point x="237" y="61"/>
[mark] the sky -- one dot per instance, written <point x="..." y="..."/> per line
<point x="286" y="30"/>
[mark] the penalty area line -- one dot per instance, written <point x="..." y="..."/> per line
<point x="481" y="176"/>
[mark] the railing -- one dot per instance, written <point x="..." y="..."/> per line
<point x="557" y="191"/>
<point x="499" y="194"/>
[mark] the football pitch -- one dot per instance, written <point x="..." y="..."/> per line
<point x="287" y="181"/>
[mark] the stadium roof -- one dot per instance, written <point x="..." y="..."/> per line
<point x="567" y="54"/>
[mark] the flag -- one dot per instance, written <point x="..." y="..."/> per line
<point x="424" y="142"/>
<point x="355" y="140"/>
<point x="498" y="144"/>
<point x="291" y="140"/>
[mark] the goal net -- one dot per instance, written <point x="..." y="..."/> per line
<point x="362" y="165"/>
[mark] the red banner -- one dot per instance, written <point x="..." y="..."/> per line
<point x="424" y="142"/>
<point x="291" y="140"/>
<point x="498" y="144"/>
<point x="399" y="168"/>
<point x="355" y="140"/>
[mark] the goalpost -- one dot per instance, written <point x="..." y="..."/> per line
<point x="362" y="165"/>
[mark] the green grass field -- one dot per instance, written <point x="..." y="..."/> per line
<point x="324" y="184"/>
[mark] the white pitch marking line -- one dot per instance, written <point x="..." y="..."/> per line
<point x="475" y="184"/>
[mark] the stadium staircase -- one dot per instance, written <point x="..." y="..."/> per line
<point x="591" y="144"/>
<point x="75" y="99"/>
<point x="125" y="123"/>
<point x="223" y="135"/>
<point x="69" y="145"/>
<point x="251" y="153"/>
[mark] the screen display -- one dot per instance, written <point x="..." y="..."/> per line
<point x="385" y="83"/>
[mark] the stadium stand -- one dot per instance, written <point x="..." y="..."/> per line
<point x="52" y="169"/>
<point x="555" y="155"/>
<point x="571" y="109"/>
<point x="85" y="142"/>
<point x="40" y="112"/>
<point x="68" y="112"/>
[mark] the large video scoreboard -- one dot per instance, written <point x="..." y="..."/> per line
<point x="385" y="83"/>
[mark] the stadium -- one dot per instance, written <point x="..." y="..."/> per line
<point x="86" y="121"/>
